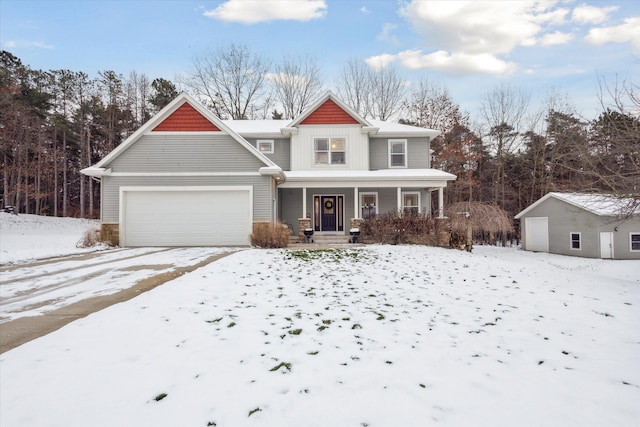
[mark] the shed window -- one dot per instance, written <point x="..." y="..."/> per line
<point x="634" y="242"/>
<point x="576" y="243"/>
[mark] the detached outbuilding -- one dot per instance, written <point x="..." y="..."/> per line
<point x="584" y="225"/>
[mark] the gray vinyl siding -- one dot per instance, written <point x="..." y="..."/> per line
<point x="417" y="148"/>
<point x="290" y="207"/>
<point x="564" y="219"/>
<point x="262" y="191"/>
<point x="281" y="151"/>
<point x="186" y="153"/>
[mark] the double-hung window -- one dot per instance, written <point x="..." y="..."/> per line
<point x="330" y="151"/>
<point x="411" y="202"/>
<point x="575" y="241"/>
<point x="634" y="242"/>
<point x="397" y="153"/>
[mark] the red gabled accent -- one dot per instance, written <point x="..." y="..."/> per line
<point x="329" y="113"/>
<point x="186" y="119"/>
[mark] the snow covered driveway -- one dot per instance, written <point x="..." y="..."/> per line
<point x="40" y="287"/>
<point x="375" y="336"/>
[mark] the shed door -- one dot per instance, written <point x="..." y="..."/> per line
<point x="537" y="234"/>
<point x="191" y="216"/>
<point x="606" y="245"/>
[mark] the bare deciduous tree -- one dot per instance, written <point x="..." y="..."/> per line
<point x="503" y="110"/>
<point x="354" y="86"/>
<point x="232" y="81"/>
<point x="297" y="81"/>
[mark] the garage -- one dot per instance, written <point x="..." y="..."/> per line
<point x="185" y="216"/>
<point x="537" y="234"/>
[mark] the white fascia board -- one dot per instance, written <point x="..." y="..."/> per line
<point x="274" y="171"/>
<point x="429" y="184"/>
<point x="182" y="174"/>
<point x="95" y="171"/>
<point x="288" y="131"/>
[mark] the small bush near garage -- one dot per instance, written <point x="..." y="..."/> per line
<point x="270" y="235"/>
<point x="90" y="238"/>
<point x="408" y="228"/>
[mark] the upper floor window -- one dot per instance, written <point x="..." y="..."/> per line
<point x="397" y="153"/>
<point x="330" y="151"/>
<point x="265" y="146"/>
<point x="634" y="242"/>
<point x="575" y="241"/>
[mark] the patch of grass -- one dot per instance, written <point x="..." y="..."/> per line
<point x="313" y="353"/>
<point x="231" y="325"/>
<point x="285" y="365"/>
<point x="380" y="316"/>
<point x="295" y="332"/>
<point x="253" y="411"/>
<point x="159" y="397"/>
<point x="214" y="320"/>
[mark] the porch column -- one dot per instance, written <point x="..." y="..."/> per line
<point x="356" y="202"/>
<point x="304" y="202"/>
<point x="440" y="202"/>
<point x="400" y="200"/>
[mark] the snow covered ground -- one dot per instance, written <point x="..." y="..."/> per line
<point x="373" y="336"/>
<point x="28" y="237"/>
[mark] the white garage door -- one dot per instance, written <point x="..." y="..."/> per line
<point x="185" y="216"/>
<point x="537" y="234"/>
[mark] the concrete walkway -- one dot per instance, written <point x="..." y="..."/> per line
<point x="22" y="330"/>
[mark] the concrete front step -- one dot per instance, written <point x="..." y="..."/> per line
<point x="324" y="239"/>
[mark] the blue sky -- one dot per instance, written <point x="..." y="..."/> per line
<point x="469" y="47"/>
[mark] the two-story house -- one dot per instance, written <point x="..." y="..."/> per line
<point x="187" y="178"/>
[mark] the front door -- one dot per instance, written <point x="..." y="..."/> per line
<point x="328" y="204"/>
<point x="328" y="213"/>
<point x="606" y="245"/>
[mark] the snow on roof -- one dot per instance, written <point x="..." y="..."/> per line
<point x="257" y="127"/>
<point x="274" y="127"/>
<point x="599" y="204"/>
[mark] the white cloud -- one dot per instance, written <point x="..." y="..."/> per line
<point x="629" y="31"/>
<point x="25" y="44"/>
<point x="380" y="61"/>
<point x="386" y="34"/>
<point x="364" y="9"/>
<point x="487" y="27"/>
<point x="585" y="14"/>
<point x="556" y="38"/>
<point x="254" y="11"/>
<point x="455" y="63"/>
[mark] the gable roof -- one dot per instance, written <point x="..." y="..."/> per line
<point x="598" y="204"/>
<point x="183" y="114"/>
<point x="186" y="119"/>
<point x="328" y="109"/>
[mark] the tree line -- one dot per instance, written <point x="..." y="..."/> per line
<point x="55" y="123"/>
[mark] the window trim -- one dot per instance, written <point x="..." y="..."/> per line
<point x="271" y="144"/>
<point x="571" y="240"/>
<point x="403" y="206"/>
<point x="406" y="154"/>
<point x="329" y="151"/>
<point x="631" y="234"/>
